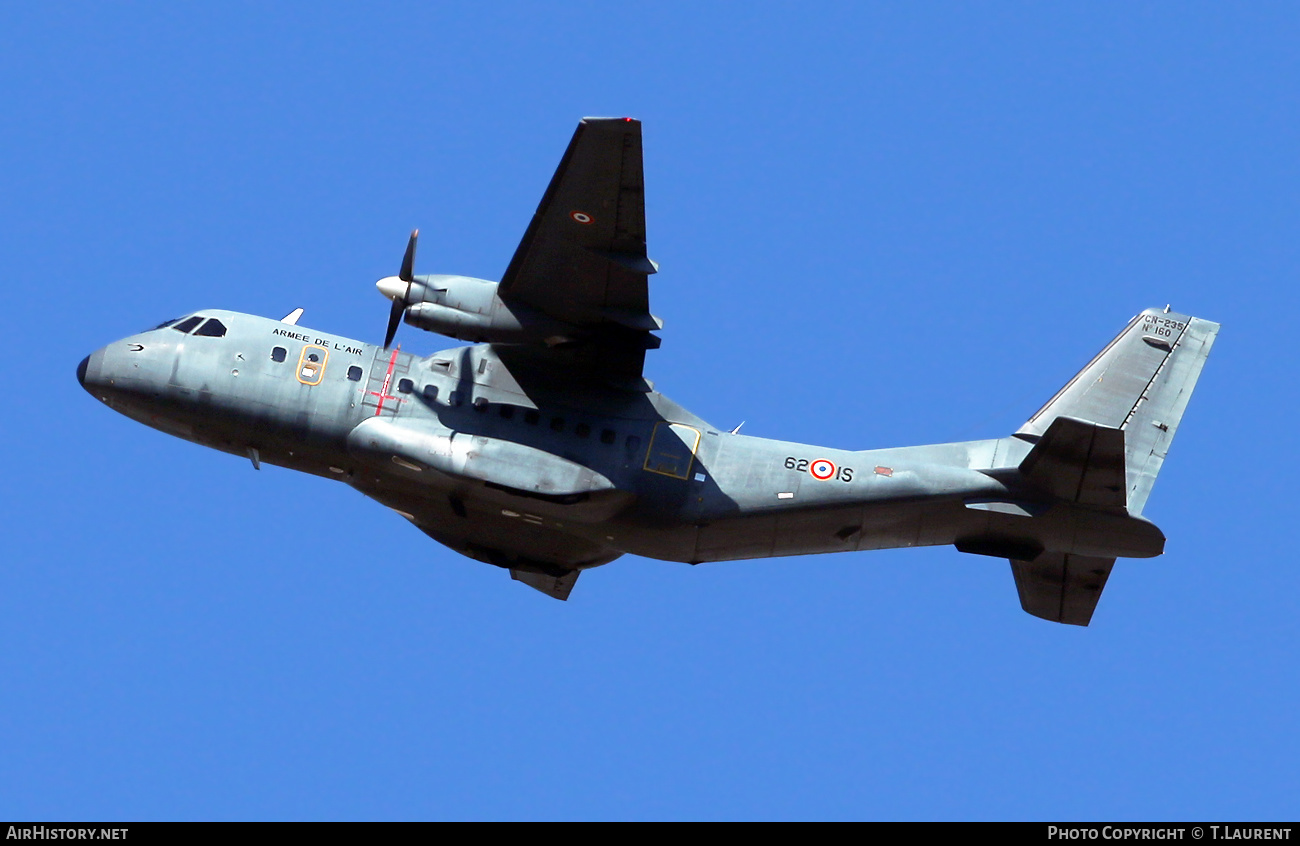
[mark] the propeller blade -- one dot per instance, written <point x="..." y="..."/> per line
<point x="394" y="318"/>
<point x="394" y="289"/>
<point x="408" y="261"/>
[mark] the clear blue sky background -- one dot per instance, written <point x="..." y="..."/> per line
<point x="878" y="224"/>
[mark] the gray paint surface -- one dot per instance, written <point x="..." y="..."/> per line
<point x="542" y="449"/>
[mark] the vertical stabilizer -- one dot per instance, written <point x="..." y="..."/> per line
<point x="1139" y="383"/>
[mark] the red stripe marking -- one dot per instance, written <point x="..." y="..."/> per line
<point x="382" y="393"/>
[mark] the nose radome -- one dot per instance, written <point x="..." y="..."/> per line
<point x="89" y="371"/>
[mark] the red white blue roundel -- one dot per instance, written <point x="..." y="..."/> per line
<point x="822" y="469"/>
<point x="581" y="217"/>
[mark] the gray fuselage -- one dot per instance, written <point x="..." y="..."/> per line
<point x="511" y="465"/>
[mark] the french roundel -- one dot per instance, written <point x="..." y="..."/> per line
<point x="822" y="469"/>
<point x="581" y="217"/>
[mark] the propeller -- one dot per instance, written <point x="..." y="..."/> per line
<point x="398" y="288"/>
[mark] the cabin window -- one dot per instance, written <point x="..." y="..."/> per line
<point x="187" y="324"/>
<point x="506" y="411"/>
<point x="531" y="417"/>
<point x="607" y="436"/>
<point x="212" y="329"/>
<point x="430" y="392"/>
<point x="405" y="386"/>
<point x="354" y="374"/>
<point x="279" y="353"/>
<point x="557" y="423"/>
<point x="582" y="430"/>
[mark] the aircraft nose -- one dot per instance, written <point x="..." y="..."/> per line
<point x="88" y="370"/>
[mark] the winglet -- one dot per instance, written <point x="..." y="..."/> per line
<point x="292" y="317"/>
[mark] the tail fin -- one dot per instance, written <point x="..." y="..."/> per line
<point x="1140" y="383"/>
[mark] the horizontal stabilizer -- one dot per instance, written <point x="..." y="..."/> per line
<point x="557" y="587"/>
<point x="1078" y="461"/>
<point x="1060" y="586"/>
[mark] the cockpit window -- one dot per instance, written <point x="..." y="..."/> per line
<point x="187" y="324"/>
<point x="165" y="324"/>
<point x="212" y="329"/>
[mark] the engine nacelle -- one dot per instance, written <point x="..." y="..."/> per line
<point x="470" y="309"/>
<point x="499" y="326"/>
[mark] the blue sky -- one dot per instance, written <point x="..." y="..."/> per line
<point x="878" y="224"/>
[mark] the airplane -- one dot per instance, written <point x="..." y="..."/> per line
<point x="542" y="449"/>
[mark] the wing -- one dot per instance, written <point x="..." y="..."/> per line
<point x="583" y="258"/>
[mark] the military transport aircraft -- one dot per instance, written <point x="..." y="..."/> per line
<point x="541" y="448"/>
